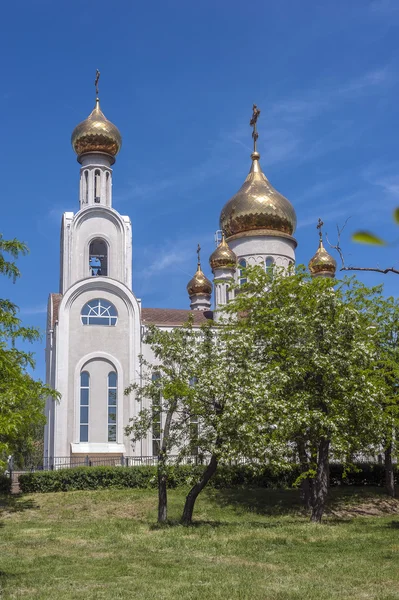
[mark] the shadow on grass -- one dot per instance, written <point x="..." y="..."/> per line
<point x="201" y="523"/>
<point x="343" y="504"/>
<point x="262" y="501"/>
<point x="4" y="576"/>
<point x="15" y="504"/>
<point x="393" y="525"/>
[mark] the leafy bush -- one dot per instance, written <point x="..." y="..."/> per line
<point x="5" y="484"/>
<point x="91" y="478"/>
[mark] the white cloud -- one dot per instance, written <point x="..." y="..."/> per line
<point x="314" y="101"/>
<point x="327" y="217"/>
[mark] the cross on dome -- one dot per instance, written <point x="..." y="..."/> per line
<point x="254" y="118"/>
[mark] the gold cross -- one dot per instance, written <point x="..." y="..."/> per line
<point x="96" y="81"/>
<point x="319" y="226"/>
<point x="255" y="115"/>
<point x="198" y="253"/>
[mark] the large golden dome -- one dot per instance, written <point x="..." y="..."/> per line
<point x="199" y="284"/>
<point x="223" y="256"/>
<point x="257" y="206"/>
<point x="322" y="263"/>
<point x="96" y="134"/>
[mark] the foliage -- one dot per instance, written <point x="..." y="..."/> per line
<point x="22" y="398"/>
<point x="365" y="237"/>
<point x="227" y="476"/>
<point x="201" y="388"/>
<point x="5" y="484"/>
<point x="315" y="353"/>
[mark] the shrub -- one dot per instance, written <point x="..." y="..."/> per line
<point x="91" y="478"/>
<point x="5" y="484"/>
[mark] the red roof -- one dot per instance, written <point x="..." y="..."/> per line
<point x="55" y="300"/>
<point x="169" y="317"/>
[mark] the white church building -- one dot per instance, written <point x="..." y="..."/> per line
<point x="95" y="323"/>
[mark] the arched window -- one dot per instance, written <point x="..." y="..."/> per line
<point x="99" y="312"/>
<point x="112" y="405"/>
<point x="269" y="263"/>
<point x="242" y="264"/>
<point x="156" y="408"/>
<point x="107" y="187"/>
<point x="97" y="186"/>
<point x="86" y="187"/>
<point x="98" y="258"/>
<point x="194" y="426"/>
<point x="84" y="406"/>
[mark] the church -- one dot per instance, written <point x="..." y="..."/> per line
<point x="95" y="324"/>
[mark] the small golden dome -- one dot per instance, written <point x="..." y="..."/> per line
<point x="199" y="284"/>
<point x="322" y="263"/>
<point x="256" y="206"/>
<point x="96" y="134"/>
<point x="223" y="256"/>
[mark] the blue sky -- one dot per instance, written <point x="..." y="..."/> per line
<point x="179" y="79"/>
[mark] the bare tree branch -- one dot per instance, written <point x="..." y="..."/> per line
<point x="376" y="269"/>
<point x="338" y="248"/>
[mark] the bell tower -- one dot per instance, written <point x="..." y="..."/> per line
<point x="93" y="331"/>
<point x="96" y="242"/>
<point x="96" y="141"/>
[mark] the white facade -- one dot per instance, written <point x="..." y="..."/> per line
<point x="95" y="323"/>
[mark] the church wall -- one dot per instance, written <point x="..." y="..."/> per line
<point x="90" y="224"/>
<point x="97" y="349"/>
<point x="255" y="250"/>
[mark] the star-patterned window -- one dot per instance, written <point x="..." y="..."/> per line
<point x="99" y="312"/>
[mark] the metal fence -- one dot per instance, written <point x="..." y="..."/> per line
<point x="54" y="463"/>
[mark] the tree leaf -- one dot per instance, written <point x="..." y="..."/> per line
<point x="365" y="237"/>
<point x="396" y="215"/>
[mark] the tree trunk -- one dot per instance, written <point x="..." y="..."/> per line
<point x="306" y="483"/>
<point x="320" y="484"/>
<point x="197" y="489"/>
<point x="389" y="473"/>
<point x="162" y="471"/>
<point x="162" y="493"/>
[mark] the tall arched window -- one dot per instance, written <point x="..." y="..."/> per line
<point x="269" y="266"/>
<point x="98" y="258"/>
<point x="84" y="406"/>
<point x="86" y="188"/>
<point x="99" y="312"/>
<point x="112" y="405"/>
<point x="107" y="187"/>
<point x="156" y="408"/>
<point x="242" y="265"/>
<point x="194" y="426"/>
<point x="97" y="186"/>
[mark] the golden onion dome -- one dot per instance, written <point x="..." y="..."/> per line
<point x="223" y="256"/>
<point x="257" y="207"/>
<point x="96" y="134"/>
<point x="322" y="263"/>
<point x="199" y="284"/>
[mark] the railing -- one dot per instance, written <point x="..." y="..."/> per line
<point x="54" y="463"/>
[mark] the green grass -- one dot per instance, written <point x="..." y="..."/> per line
<point x="252" y="544"/>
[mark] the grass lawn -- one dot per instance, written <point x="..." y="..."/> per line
<point x="246" y="544"/>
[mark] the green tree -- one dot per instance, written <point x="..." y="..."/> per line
<point x="316" y="354"/>
<point x="384" y="317"/>
<point x="166" y="387"/>
<point x="22" y="398"/>
<point x="203" y="376"/>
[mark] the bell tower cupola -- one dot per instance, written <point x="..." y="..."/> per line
<point x="96" y="142"/>
<point x="322" y="264"/>
<point x="199" y="288"/>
